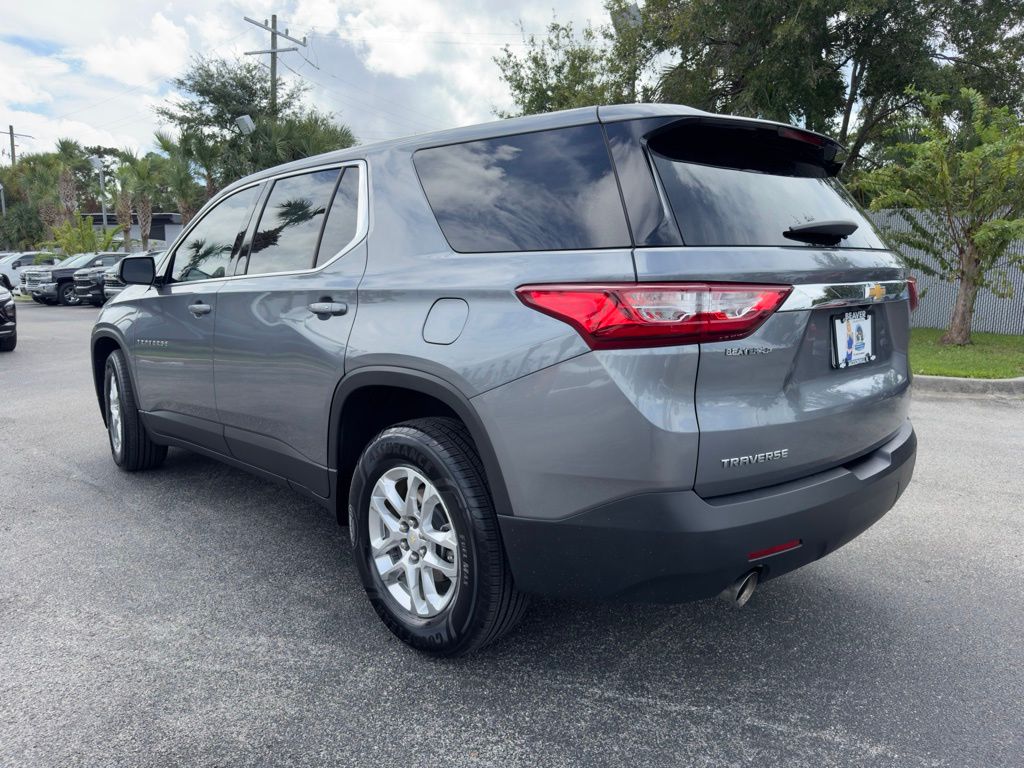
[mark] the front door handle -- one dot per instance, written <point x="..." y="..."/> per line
<point x="200" y="309"/>
<point x="324" y="308"/>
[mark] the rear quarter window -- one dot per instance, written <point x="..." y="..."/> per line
<point x="545" y="191"/>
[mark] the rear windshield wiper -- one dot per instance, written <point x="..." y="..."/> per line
<point x="821" y="232"/>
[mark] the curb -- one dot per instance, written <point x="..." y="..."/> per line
<point x="969" y="386"/>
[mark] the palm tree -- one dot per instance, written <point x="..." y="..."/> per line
<point x="70" y="159"/>
<point x="39" y="175"/>
<point x="177" y="171"/>
<point x="205" y="154"/>
<point x="144" y="183"/>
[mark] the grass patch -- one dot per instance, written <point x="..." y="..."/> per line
<point x="991" y="356"/>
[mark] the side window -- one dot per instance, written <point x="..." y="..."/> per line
<point x="342" y="221"/>
<point x="208" y="249"/>
<point x="551" y="190"/>
<point x="290" y="225"/>
<point x="108" y="261"/>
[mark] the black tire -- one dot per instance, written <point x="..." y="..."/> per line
<point x="486" y="603"/>
<point x="8" y="344"/>
<point x="96" y="302"/>
<point x="66" y="295"/>
<point x="137" y="451"/>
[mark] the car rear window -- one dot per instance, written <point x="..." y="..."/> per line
<point x="747" y="185"/>
<point x="545" y="191"/>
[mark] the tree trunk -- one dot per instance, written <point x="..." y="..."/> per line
<point x="123" y="210"/>
<point x="851" y="99"/>
<point x="145" y="209"/>
<point x="68" y="194"/>
<point x="959" y="332"/>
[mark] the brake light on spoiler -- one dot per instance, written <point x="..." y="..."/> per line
<point x="627" y="315"/>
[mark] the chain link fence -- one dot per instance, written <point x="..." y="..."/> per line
<point x="991" y="313"/>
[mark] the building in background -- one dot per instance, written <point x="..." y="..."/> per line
<point x="165" y="227"/>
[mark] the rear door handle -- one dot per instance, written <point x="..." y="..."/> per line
<point x="200" y="309"/>
<point x="328" y="308"/>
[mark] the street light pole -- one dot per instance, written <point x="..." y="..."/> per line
<point x="98" y="165"/>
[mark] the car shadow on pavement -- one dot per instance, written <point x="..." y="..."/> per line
<point x="793" y="626"/>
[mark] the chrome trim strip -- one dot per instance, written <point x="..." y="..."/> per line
<point x="362" y="221"/>
<point x="818" y="295"/>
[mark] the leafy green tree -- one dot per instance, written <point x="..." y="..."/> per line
<point x="960" y="189"/>
<point x="79" y="236"/>
<point x="21" y="228"/>
<point x="562" y="71"/>
<point x="281" y="141"/>
<point x="216" y="93"/>
<point x="850" y="68"/>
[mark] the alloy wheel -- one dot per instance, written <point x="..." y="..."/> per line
<point x="114" y="423"/>
<point x="413" y="545"/>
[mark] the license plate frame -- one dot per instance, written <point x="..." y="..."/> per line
<point x="853" y="338"/>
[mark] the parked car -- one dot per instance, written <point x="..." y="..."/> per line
<point x="55" y="283"/>
<point x="89" y="282"/>
<point x="112" y="284"/>
<point x="639" y="352"/>
<point x="8" y="321"/>
<point x="12" y="265"/>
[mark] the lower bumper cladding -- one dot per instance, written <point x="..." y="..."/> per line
<point x="676" y="546"/>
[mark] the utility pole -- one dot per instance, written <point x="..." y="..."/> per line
<point x="10" y="131"/>
<point x="273" y="51"/>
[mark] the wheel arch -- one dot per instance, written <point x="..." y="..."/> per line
<point x="103" y="344"/>
<point x="424" y="391"/>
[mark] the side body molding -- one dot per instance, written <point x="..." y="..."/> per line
<point x="426" y="384"/>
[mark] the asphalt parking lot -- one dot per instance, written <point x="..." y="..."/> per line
<point x="198" y="616"/>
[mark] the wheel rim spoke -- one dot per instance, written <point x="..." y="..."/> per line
<point x="413" y="546"/>
<point x="432" y="561"/>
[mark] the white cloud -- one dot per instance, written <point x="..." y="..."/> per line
<point x="139" y="60"/>
<point x="386" y="67"/>
<point x="27" y="77"/>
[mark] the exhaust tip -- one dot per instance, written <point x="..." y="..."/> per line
<point x="738" y="594"/>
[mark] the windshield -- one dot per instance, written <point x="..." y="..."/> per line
<point x="76" y="261"/>
<point x="743" y="186"/>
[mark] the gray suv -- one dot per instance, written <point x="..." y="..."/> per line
<point x="634" y="352"/>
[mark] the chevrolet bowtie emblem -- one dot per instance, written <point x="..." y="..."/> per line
<point x="876" y="292"/>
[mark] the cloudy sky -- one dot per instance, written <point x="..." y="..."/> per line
<point x="93" y="71"/>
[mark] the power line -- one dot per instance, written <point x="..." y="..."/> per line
<point x="359" y="104"/>
<point x="406" y="110"/>
<point x="402" y="118"/>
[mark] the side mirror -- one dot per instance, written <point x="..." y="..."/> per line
<point x="137" y="270"/>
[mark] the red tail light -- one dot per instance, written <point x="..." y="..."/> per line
<point x="912" y="289"/>
<point x="652" y="315"/>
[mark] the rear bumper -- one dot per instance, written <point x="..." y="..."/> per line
<point x="675" y="546"/>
